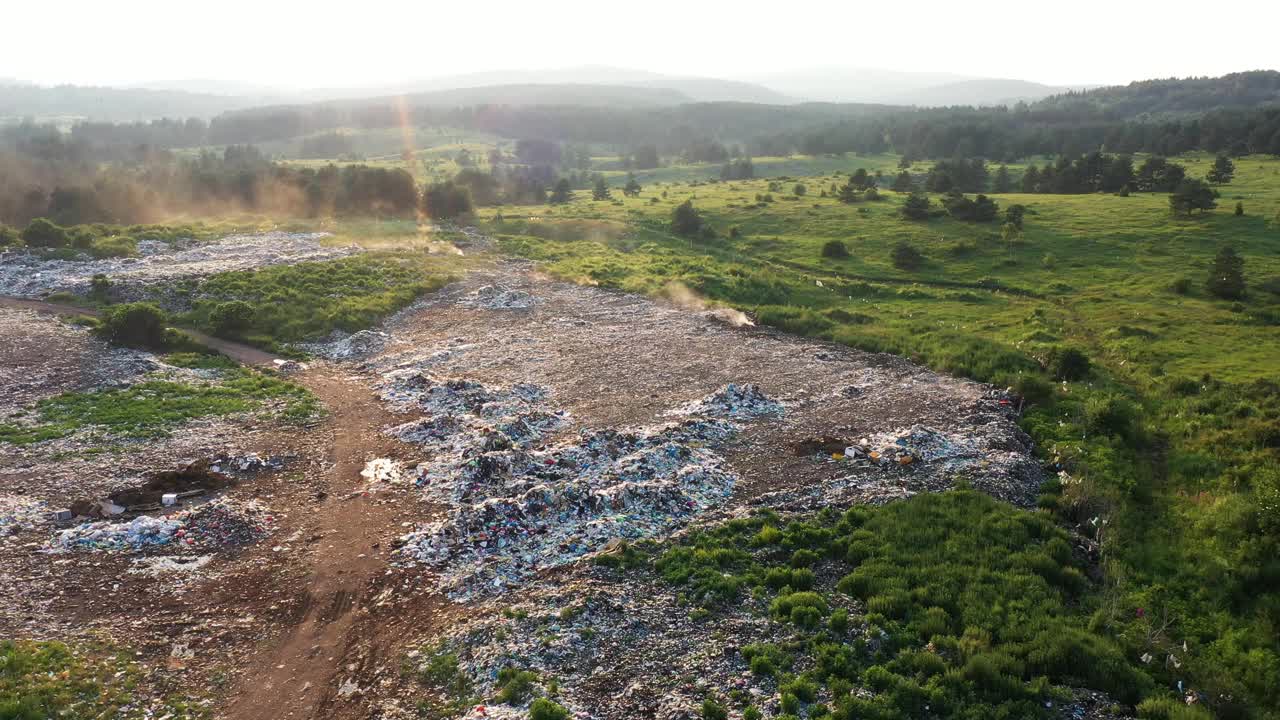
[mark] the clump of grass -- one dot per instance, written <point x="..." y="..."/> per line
<point x="289" y="303"/>
<point x="154" y="407"/>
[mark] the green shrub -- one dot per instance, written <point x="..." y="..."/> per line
<point x="116" y="246"/>
<point x="544" y="709"/>
<point x="906" y="257"/>
<point x="1070" y="364"/>
<point x="515" y="687"/>
<point x="231" y="319"/>
<point x="43" y="233"/>
<point x="135" y="325"/>
<point x="712" y="710"/>
<point x="835" y="250"/>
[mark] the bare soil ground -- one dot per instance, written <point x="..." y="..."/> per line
<point x="314" y="621"/>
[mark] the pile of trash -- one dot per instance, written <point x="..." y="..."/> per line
<point x="19" y="513"/>
<point x="215" y="525"/>
<point x="734" y="401"/>
<point x="496" y="297"/>
<point x="518" y="506"/>
<point x="593" y="635"/>
<point x="247" y="464"/>
<point x="354" y="346"/>
<point x="160" y="265"/>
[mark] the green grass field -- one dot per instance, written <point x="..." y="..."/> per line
<point x="1169" y="443"/>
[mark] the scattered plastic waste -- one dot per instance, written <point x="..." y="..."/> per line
<point x="734" y="401"/>
<point x="518" y="506"/>
<point x="211" y="526"/>
<point x="18" y="514"/>
<point x="496" y="297"/>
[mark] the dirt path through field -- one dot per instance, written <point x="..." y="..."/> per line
<point x="300" y="674"/>
<point x="243" y="354"/>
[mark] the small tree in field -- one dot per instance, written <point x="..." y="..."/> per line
<point x="1226" y="275"/>
<point x="916" y="207"/>
<point x="562" y="193"/>
<point x="906" y="257"/>
<point x="1223" y="170"/>
<point x="685" y="220"/>
<point x="632" y="188"/>
<point x="835" y="250"/>
<point x="903" y="183"/>
<point x="1191" y="194"/>
<point x="600" y="191"/>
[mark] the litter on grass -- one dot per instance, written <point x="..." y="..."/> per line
<point x="496" y="297"/>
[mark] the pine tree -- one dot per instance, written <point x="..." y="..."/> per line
<point x="916" y="207"/>
<point x="1003" y="183"/>
<point x="600" y="191"/>
<point x="903" y="183"/>
<point x="1226" y="275"/>
<point x="562" y="193"/>
<point x="632" y="188"/>
<point x="1222" y="172"/>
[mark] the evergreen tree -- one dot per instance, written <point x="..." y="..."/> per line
<point x="685" y="220"/>
<point x="632" y="188"/>
<point x="1239" y="208"/>
<point x="1223" y="170"/>
<point x="1031" y="180"/>
<point x="1226" y="275"/>
<point x="916" y="207"/>
<point x="600" y="191"/>
<point x="903" y="183"/>
<point x="1003" y="183"/>
<point x="562" y="193"/>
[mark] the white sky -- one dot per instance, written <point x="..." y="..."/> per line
<point x="320" y="43"/>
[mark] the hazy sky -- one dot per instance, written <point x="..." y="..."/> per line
<point x="328" y="44"/>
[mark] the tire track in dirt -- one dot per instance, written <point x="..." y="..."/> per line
<point x="298" y="674"/>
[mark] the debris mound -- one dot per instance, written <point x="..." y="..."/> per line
<point x="496" y="297"/>
<point x="518" y="505"/>
<point x="734" y="401"/>
<point x="18" y="514"/>
<point x="215" y="525"/>
<point x="356" y="346"/>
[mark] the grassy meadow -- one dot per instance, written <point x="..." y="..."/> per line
<point x="1166" y="448"/>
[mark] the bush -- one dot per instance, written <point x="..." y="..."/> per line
<point x="43" y="233"/>
<point x="445" y="201"/>
<point x="231" y="319"/>
<point x="686" y="221"/>
<point x="1110" y="415"/>
<point x="134" y="324"/>
<point x="8" y="236"/>
<point x="116" y="246"/>
<point x="835" y="249"/>
<point x="1070" y="364"/>
<point x="906" y="257"/>
<point x="515" y="686"/>
<point x="544" y="709"/>
<point x="712" y="710"/>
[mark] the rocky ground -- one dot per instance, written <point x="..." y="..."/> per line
<point x="477" y="449"/>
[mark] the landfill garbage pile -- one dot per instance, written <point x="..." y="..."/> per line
<point x="247" y="464"/>
<point x="616" y="650"/>
<point x="159" y="265"/>
<point x="734" y="401"/>
<point x="517" y="506"/>
<point x="18" y="514"/>
<point x="344" y="346"/>
<point x="496" y="297"/>
<point x="216" y="525"/>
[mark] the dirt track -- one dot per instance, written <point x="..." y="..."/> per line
<point x="244" y="354"/>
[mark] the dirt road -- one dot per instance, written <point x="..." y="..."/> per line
<point x="243" y="354"/>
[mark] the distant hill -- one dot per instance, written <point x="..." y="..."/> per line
<point x="1174" y="96"/>
<point x="852" y="85"/>
<point x="981" y="92"/>
<point x="560" y="94"/>
<point x="112" y="104"/>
